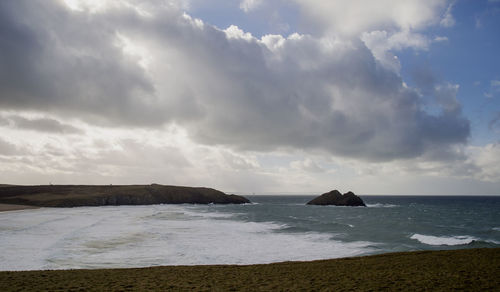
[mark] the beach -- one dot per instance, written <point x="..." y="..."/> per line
<point x="12" y="207"/>
<point x="468" y="269"/>
<point x="275" y="244"/>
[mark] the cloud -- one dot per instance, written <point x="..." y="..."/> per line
<point x="225" y="87"/>
<point x="4" y="121"/>
<point x="385" y="29"/>
<point x="131" y="153"/>
<point x="307" y="165"/>
<point x="8" y="149"/>
<point x="494" y="124"/>
<point x="487" y="162"/>
<point x="50" y="64"/>
<point x="107" y="157"/>
<point x="494" y="89"/>
<point x="234" y="32"/>
<point x="383" y="45"/>
<point x="249" y="5"/>
<point x="448" y="20"/>
<point x="325" y="94"/>
<point x="353" y="17"/>
<point x="121" y="156"/>
<point x="239" y="162"/>
<point x="441" y="39"/>
<point x="48" y="125"/>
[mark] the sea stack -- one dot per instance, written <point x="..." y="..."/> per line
<point x="337" y="199"/>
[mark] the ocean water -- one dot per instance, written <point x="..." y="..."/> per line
<point x="272" y="229"/>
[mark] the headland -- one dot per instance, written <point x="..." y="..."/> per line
<point x="104" y="195"/>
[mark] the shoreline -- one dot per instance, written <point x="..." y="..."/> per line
<point x="466" y="269"/>
<point x="15" y="207"/>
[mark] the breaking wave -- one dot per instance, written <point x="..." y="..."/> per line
<point x="139" y="236"/>
<point x="379" y="205"/>
<point x="443" y="240"/>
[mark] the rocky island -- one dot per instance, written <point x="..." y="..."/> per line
<point x="337" y="199"/>
<point x="103" y="195"/>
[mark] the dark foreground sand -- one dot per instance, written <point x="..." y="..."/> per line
<point x="462" y="270"/>
<point x="11" y="207"/>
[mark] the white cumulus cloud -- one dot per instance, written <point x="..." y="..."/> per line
<point x="249" y="5"/>
<point x="225" y="87"/>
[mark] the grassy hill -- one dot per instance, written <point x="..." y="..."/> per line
<point x="101" y="195"/>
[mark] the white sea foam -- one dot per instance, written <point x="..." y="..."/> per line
<point x="137" y="236"/>
<point x="443" y="240"/>
<point x="496" y="228"/>
<point x="379" y="205"/>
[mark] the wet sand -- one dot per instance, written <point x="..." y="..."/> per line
<point x="462" y="270"/>
<point x="12" y="207"/>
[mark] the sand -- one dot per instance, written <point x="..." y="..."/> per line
<point x="466" y="270"/>
<point x="12" y="207"/>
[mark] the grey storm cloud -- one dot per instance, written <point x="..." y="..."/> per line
<point x="57" y="60"/>
<point x="302" y="92"/>
<point x="7" y="148"/>
<point x="42" y="125"/>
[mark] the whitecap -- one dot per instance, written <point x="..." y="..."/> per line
<point x="211" y="215"/>
<point x="443" y="240"/>
<point x="380" y="205"/>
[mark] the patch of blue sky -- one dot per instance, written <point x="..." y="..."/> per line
<point x="467" y="55"/>
<point x="470" y="58"/>
<point x="270" y="17"/>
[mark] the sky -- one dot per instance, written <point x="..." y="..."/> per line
<point x="253" y="96"/>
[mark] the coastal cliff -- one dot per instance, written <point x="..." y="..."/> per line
<point x="337" y="199"/>
<point x="103" y="195"/>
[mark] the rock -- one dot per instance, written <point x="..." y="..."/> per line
<point x="87" y="195"/>
<point x="337" y="199"/>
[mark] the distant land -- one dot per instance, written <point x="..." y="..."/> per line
<point x="104" y="195"/>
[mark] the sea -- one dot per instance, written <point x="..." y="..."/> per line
<point x="270" y="229"/>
